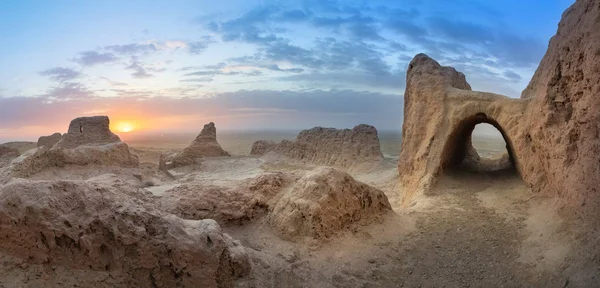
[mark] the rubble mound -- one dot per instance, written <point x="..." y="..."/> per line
<point x="228" y="206"/>
<point x="261" y="147"/>
<point x="205" y="145"/>
<point x="35" y="161"/>
<point x="88" y="131"/>
<point x="91" y="226"/>
<point x="324" y="201"/>
<point x="8" y="152"/>
<point x="49" y="141"/>
<point x="356" y="148"/>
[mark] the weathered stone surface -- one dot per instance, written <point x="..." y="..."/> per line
<point x="49" y="141"/>
<point x="562" y="149"/>
<point x="261" y="147"/>
<point x="324" y="201"/>
<point x="88" y="131"/>
<point x="8" y="152"/>
<point x="551" y="132"/>
<point x="34" y="161"/>
<point x="205" y="145"/>
<point x="91" y="226"/>
<point x="350" y="149"/>
<point x="235" y="205"/>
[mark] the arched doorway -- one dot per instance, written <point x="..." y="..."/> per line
<point x="460" y="154"/>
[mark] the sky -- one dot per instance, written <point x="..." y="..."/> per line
<point x="172" y="66"/>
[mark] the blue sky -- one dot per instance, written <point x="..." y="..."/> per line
<point x="175" y="65"/>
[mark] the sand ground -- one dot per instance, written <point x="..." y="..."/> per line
<point x="473" y="230"/>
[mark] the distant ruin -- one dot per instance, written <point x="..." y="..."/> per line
<point x="205" y="145"/>
<point x="551" y="132"/>
<point x="357" y="148"/>
<point x="88" y="130"/>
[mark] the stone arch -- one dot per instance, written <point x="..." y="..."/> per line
<point x="459" y="145"/>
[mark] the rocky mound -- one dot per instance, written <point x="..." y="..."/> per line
<point x="90" y="226"/>
<point x="205" y="145"/>
<point x="323" y="202"/>
<point x="88" y="131"/>
<point x="546" y="131"/>
<point x="261" y="147"/>
<point x="235" y="206"/>
<point x="49" y="141"/>
<point x="8" y="152"/>
<point x="355" y="148"/>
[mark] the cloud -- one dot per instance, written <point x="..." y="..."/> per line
<point x="275" y="67"/>
<point x="68" y="91"/>
<point x="114" y="83"/>
<point x="91" y="58"/>
<point x="244" y="109"/>
<point x="461" y="31"/>
<point x="133" y="49"/>
<point x="512" y="75"/>
<point x="203" y="79"/>
<point x="141" y="70"/>
<point x="61" y="74"/>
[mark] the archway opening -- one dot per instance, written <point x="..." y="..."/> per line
<point x="479" y="145"/>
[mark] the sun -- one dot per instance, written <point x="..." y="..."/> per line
<point x="124" y="127"/>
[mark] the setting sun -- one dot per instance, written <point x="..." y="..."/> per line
<point x="124" y="127"/>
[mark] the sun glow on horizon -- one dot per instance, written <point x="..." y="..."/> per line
<point x="124" y="126"/>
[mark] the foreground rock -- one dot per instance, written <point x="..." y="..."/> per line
<point x="357" y="148"/>
<point x="547" y="131"/>
<point x="205" y="145"/>
<point x="235" y="206"/>
<point x="561" y="144"/>
<point x="323" y="202"/>
<point x="91" y="226"/>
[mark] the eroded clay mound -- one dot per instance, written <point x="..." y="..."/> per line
<point x="49" y="141"/>
<point x="88" y="130"/>
<point x="356" y="148"/>
<point x="8" y="151"/>
<point x="205" y="145"/>
<point x="562" y="144"/>
<point x="236" y="205"/>
<point x="7" y="154"/>
<point x="324" y="201"/>
<point x="35" y="161"/>
<point x="261" y="147"/>
<point x="91" y="226"/>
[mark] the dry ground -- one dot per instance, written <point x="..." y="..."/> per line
<point x="474" y="230"/>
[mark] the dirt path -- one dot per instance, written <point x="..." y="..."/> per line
<point x="473" y="232"/>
